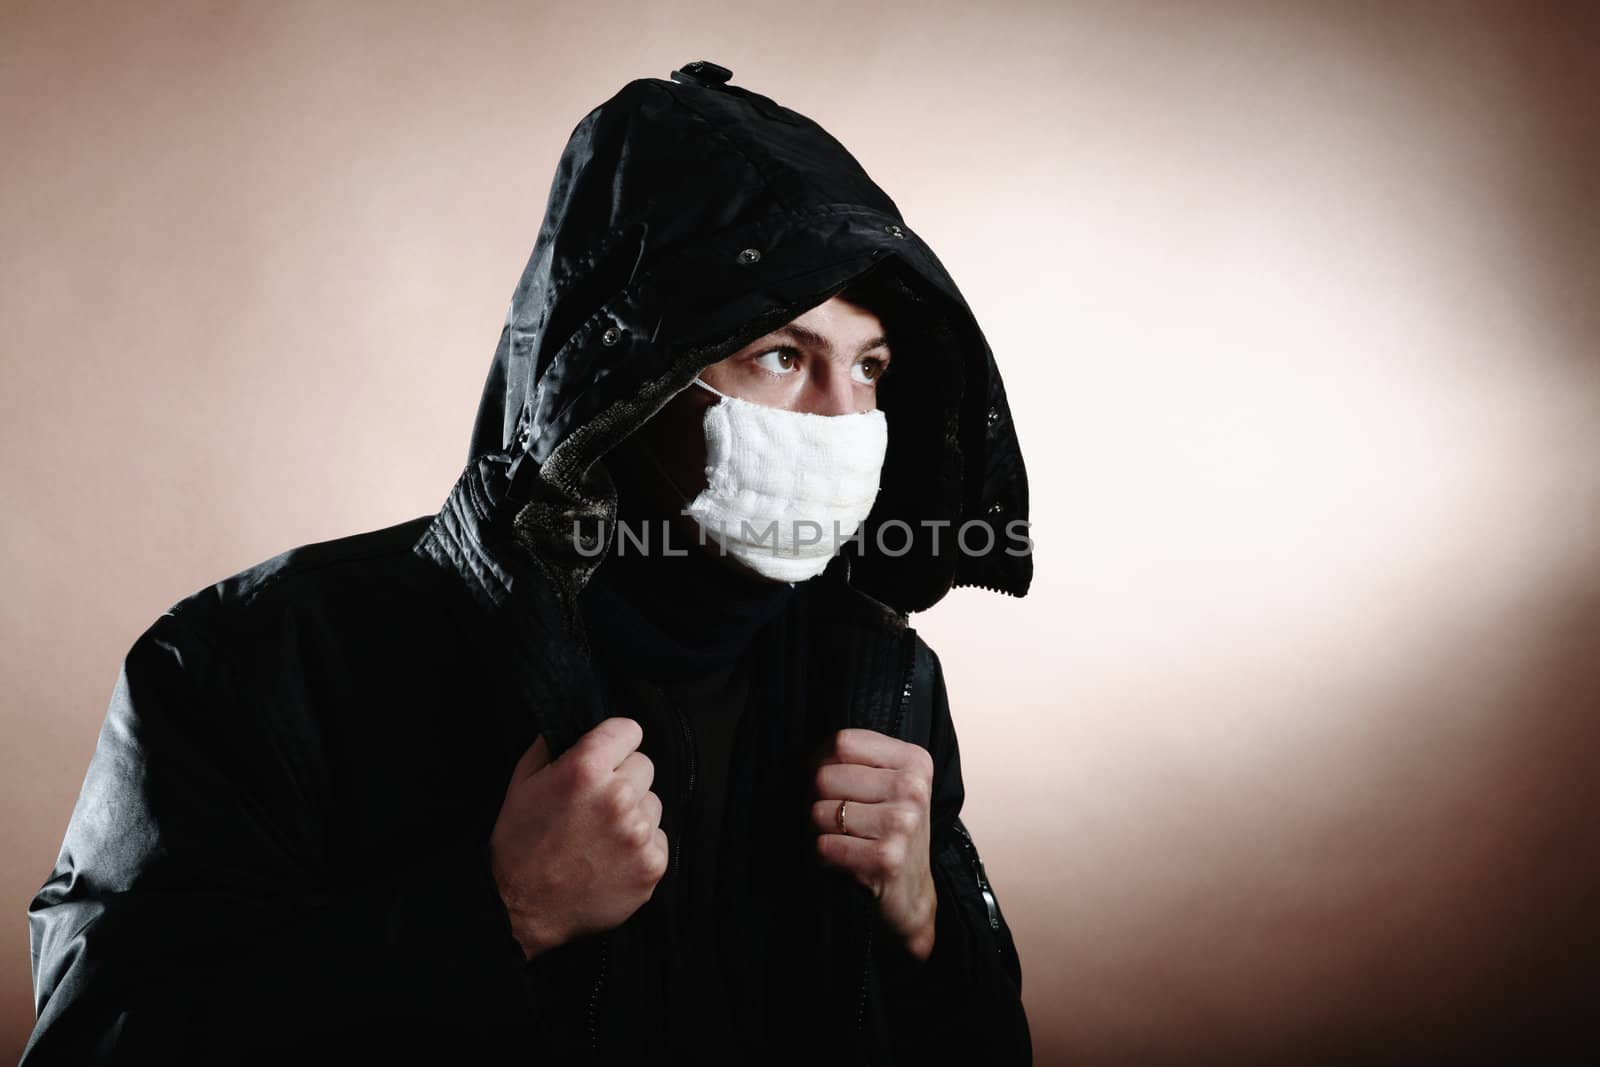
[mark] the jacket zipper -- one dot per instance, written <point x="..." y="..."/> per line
<point x="977" y="870"/>
<point x="688" y="743"/>
<point x="894" y="731"/>
<point x="594" y="1003"/>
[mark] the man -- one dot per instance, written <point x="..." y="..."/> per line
<point x="503" y="781"/>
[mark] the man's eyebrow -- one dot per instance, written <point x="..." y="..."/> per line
<point x="810" y="337"/>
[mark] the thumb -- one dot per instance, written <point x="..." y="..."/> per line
<point x="535" y="759"/>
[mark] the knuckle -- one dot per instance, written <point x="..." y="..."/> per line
<point x="904" y="821"/>
<point x="839" y="744"/>
<point x="616" y="803"/>
<point x="919" y="788"/>
<point x="587" y="775"/>
<point x="660" y="855"/>
<point x="911" y="786"/>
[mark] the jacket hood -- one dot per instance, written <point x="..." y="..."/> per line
<point x="688" y="217"/>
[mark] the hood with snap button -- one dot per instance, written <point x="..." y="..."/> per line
<point x="687" y="217"/>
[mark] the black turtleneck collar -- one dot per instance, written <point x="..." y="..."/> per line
<point x="667" y="615"/>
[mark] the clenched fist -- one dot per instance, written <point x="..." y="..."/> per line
<point x="578" y="845"/>
<point x="888" y="786"/>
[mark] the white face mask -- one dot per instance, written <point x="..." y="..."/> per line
<point x="786" y="488"/>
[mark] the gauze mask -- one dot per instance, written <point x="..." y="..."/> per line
<point x="785" y="489"/>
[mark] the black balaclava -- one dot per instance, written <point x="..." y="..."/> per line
<point x="665" y="612"/>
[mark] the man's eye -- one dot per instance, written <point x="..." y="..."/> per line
<point x="868" y="371"/>
<point x="776" y="361"/>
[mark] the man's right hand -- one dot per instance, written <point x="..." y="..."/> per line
<point x="578" y="845"/>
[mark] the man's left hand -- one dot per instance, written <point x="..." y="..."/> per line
<point x="888" y="784"/>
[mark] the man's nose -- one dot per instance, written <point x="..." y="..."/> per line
<point x="831" y="392"/>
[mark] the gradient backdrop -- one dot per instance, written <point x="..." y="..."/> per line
<point x="1290" y="755"/>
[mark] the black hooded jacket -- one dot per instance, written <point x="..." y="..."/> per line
<point x="280" y="849"/>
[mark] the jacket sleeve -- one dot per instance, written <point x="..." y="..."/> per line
<point x="184" y="922"/>
<point x="964" y="1002"/>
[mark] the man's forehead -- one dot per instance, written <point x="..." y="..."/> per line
<point x="835" y="322"/>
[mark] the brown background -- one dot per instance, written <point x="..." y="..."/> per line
<point x="1288" y="758"/>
